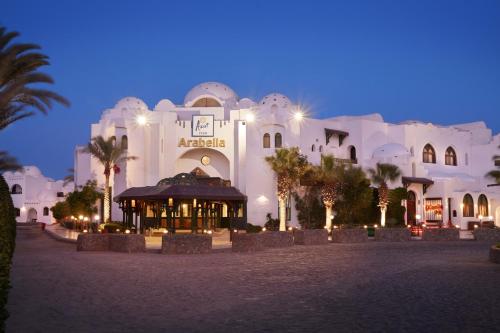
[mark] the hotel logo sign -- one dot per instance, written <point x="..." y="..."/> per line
<point x="202" y="126"/>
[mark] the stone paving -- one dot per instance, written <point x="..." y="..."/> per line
<point x="377" y="287"/>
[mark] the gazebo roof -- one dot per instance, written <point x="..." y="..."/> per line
<point x="182" y="191"/>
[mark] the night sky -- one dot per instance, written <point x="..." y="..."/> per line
<point x="434" y="61"/>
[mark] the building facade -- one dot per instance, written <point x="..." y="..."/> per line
<point x="225" y="136"/>
<point x="33" y="194"/>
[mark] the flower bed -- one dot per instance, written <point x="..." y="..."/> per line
<point x="186" y="244"/>
<point x="440" y="234"/>
<point x="111" y="242"/>
<point x="242" y="242"/>
<point x="311" y="237"/>
<point x="392" y="234"/>
<point x="495" y="254"/>
<point x="276" y="238"/>
<point x="349" y="235"/>
<point x="487" y="234"/>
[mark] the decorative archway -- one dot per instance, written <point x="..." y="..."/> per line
<point x="211" y="161"/>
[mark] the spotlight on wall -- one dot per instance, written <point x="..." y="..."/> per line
<point x="141" y="120"/>
<point x="250" y="117"/>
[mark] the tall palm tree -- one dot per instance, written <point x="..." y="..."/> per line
<point x="70" y="177"/>
<point x="327" y="175"/>
<point x="495" y="174"/>
<point x="289" y="165"/>
<point x="8" y="163"/>
<point x="380" y="175"/>
<point x="109" y="155"/>
<point x="19" y="65"/>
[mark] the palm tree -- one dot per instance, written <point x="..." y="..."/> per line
<point x="8" y="163"/>
<point x="289" y="165"/>
<point x="327" y="176"/>
<point x="19" y="64"/>
<point x="380" y="175"/>
<point x="70" y="177"/>
<point x="109" y="155"/>
<point x="495" y="174"/>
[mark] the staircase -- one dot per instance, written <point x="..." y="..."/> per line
<point x="28" y="230"/>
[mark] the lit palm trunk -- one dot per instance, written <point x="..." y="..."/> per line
<point x="382" y="173"/>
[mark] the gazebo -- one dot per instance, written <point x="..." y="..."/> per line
<point x="188" y="201"/>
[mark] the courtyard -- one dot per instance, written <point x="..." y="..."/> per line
<point x="411" y="286"/>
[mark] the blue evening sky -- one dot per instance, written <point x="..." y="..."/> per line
<point x="436" y="61"/>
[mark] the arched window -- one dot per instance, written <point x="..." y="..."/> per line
<point x="266" y="141"/>
<point x="124" y="142"/>
<point x="277" y="140"/>
<point x="429" y="154"/>
<point x="352" y="154"/>
<point x="450" y="157"/>
<point x="17" y="189"/>
<point x="313" y="148"/>
<point x="113" y="139"/>
<point x="18" y="212"/>
<point x="321" y="148"/>
<point x="45" y="211"/>
<point x="468" y="206"/>
<point x="482" y="205"/>
<point x="206" y="102"/>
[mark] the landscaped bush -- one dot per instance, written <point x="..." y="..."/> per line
<point x="395" y="212"/>
<point x="111" y="228"/>
<point x="272" y="224"/>
<point x="7" y="245"/>
<point x="251" y="229"/>
<point x="310" y="210"/>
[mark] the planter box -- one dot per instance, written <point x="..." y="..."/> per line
<point x="311" y="237"/>
<point x="92" y="242"/>
<point x="487" y="235"/>
<point x="247" y="242"/>
<point x="441" y="234"/>
<point x="392" y="234"/>
<point x="186" y="244"/>
<point x="495" y="254"/>
<point x="349" y="235"/>
<point x="276" y="238"/>
<point x="127" y="243"/>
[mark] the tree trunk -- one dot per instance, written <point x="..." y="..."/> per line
<point x="282" y="214"/>
<point x="383" y="210"/>
<point x="107" y="208"/>
<point x="329" y="212"/>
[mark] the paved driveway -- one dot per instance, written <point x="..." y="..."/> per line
<point x="416" y="286"/>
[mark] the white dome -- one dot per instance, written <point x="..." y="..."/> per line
<point x="246" y="103"/>
<point x="390" y="150"/>
<point x="219" y="91"/>
<point x="276" y="99"/>
<point x="32" y="171"/>
<point x="164" y="105"/>
<point x="131" y="104"/>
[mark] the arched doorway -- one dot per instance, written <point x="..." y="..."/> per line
<point x="411" y="208"/>
<point x="32" y="215"/>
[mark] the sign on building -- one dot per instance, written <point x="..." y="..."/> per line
<point x="202" y="125"/>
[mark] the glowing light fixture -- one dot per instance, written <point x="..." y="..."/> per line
<point x="298" y="115"/>
<point x="250" y="117"/>
<point x="165" y="231"/>
<point x="127" y="231"/>
<point x="264" y="229"/>
<point x="141" y="120"/>
<point x="97" y="217"/>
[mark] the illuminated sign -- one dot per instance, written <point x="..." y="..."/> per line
<point x="202" y="143"/>
<point x="202" y="125"/>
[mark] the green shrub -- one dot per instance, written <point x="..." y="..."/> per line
<point x="310" y="210"/>
<point x="272" y="224"/>
<point x="61" y="210"/>
<point x="251" y="229"/>
<point x="7" y="245"/>
<point x="396" y="212"/>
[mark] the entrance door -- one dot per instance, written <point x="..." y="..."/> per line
<point x="411" y="208"/>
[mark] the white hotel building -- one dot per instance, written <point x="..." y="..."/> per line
<point x="444" y="166"/>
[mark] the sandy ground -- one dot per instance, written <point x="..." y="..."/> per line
<point x="378" y="287"/>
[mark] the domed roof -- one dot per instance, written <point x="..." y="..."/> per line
<point x="246" y="103"/>
<point x="164" y="105"/>
<point x="131" y="104"/>
<point x="218" y="90"/>
<point x="276" y="99"/>
<point x="391" y="150"/>
<point x="32" y="171"/>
